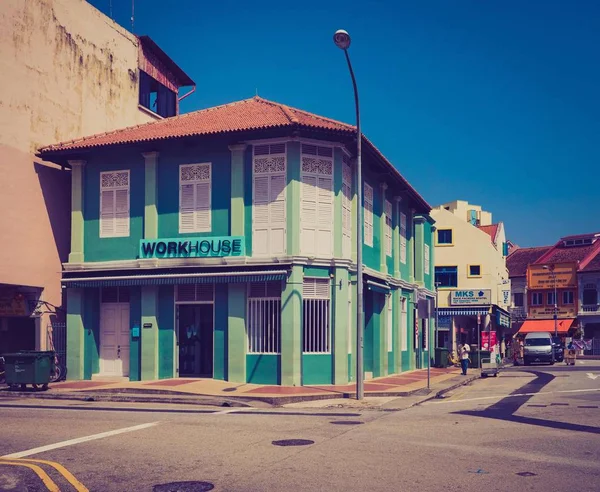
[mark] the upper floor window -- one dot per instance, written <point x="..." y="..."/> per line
<point x="388" y="228"/>
<point x="269" y="199"/>
<point x="114" y="204"/>
<point x="403" y="238"/>
<point x="446" y="276"/>
<point x="195" y="198"/>
<point x="474" y="270"/>
<point x="316" y="218"/>
<point x="568" y="297"/>
<point x="368" y="218"/>
<point x="444" y="236"/>
<point x="537" y="298"/>
<point x="346" y="207"/>
<point x="590" y="294"/>
<point x="550" y="299"/>
<point x="156" y="97"/>
<point x="518" y="299"/>
<point x="426" y="259"/>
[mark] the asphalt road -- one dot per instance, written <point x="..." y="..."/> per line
<point x="533" y="428"/>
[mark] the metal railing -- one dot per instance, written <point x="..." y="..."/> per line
<point x="56" y="340"/>
<point x="264" y="325"/>
<point x="590" y="308"/>
<point x="316" y="326"/>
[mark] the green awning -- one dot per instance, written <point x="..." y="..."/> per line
<point x="176" y="279"/>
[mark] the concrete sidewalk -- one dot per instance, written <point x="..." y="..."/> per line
<point x="224" y="393"/>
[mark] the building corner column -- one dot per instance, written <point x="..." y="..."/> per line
<point x="237" y="217"/>
<point x="151" y="195"/>
<point x="382" y="231"/>
<point x="77" y="224"/>
<point x="291" y="328"/>
<point x="293" y="197"/>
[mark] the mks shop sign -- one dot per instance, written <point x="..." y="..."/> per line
<point x="470" y="297"/>
<point x="195" y="247"/>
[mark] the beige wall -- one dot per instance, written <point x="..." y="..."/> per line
<point x="461" y="209"/>
<point x="471" y="246"/>
<point x="66" y="70"/>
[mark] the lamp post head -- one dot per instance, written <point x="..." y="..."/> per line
<point x="341" y="39"/>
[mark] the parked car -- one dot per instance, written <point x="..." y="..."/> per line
<point x="538" y="347"/>
<point x="559" y="349"/>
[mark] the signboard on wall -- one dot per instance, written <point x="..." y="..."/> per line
<point x="488" y="340"/>
<point x="539" y="277"/>
<point x="13" y="303"/>
<point x="193" y="247"/>
<point x="547" y="312"/>
<point x="476" y="297"/>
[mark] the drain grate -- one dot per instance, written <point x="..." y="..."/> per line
<point x="183" y="487"/>
<point x="293" y="442"/>
<point x="527" y="474"/>
<point x="346" y="422"/>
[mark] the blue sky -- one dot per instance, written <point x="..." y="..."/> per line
<point x="494" y="102"/>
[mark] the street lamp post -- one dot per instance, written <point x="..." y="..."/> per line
<point x="342" y="40"/>
<point x="551" y="270"/>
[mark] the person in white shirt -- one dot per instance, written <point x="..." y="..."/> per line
<point x="464" y="357"/>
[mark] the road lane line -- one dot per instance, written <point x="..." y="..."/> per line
<point x="46" y="480"/>
<point x="229" y="410"/>
<point x="79" y="440"/>
<point x="495" y="397"/>
<point x="63" y="471"/>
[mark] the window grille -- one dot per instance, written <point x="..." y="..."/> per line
<point x="426" y="259"/>
<point x="264" y="318"/>
<point x="316" y="330"/>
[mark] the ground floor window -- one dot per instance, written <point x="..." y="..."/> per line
<point x="316" y="327"/>
<point x="195" y="293"/>
<point x="264" y="318"/>
<point x="403" y="324"/>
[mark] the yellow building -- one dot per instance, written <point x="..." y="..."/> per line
<point x="470" y="275"/>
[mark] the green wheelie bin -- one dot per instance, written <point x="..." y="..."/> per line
<point x="441" y="357"/>
<point x="28" y="367"/>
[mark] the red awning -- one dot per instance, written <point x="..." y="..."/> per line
<point x="541" y="325"/>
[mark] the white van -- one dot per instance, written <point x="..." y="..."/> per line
<point x="538" y="347"/>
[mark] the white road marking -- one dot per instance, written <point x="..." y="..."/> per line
<point x="79" y="440"/>
<point x="591" y="375"/>
<point x="496" y="397"/>
<point x="229" y="410"/>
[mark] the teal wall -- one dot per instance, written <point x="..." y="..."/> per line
<point x="319" y="272"/>
<point x="263" y="368"/>
<point x="378" y="326"/>
<point x="166" y="331"/>
<point x="220" y="332"/>
<point x="168" y="188"/>
<point x="371" y="256"/>
<point x="135" y="347"/>
<point x="91" y="340"/>
<point x="118" y="248"/>
<point x="406" y="268"/>
<point x="369" y="320"/>
<point x="408" y="356"/>
<point x="317" y="369"/>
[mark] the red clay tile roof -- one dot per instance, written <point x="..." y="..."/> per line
<point x="593" y="265"/>
<point x="519" y="259"/>
<point x="246" y="115"/>
<point x="568" y="254"/>
<point x="250" y="114"/>
<point x="492" y="230"/>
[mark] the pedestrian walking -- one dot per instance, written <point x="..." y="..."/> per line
<point x="464" y="358"/>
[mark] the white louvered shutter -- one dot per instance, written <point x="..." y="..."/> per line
<point x="122" y="212"/>
<point x="114" y="204"/>
<point x="368" y="214"/>
<point x="195" y="198"/>
<point x="325" y="216"/>
<point x="346" y="210"/>
<point x="308" y="218"/>
<point x="260" y="243"/>
<point x="277" y="214"/>
<point x="107" y="206"/>
<point x="403" y="238"/>
<point x="388" y="228"/>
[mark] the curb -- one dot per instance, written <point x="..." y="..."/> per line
<point x="442" y="392"/>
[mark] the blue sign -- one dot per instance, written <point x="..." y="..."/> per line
<point x="195" y="247"/>
<point x="135" y="331"/>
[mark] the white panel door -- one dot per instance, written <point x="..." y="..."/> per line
<point x="114" y="339"/>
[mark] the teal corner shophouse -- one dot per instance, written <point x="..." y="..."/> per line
<point x="221" y="243"/>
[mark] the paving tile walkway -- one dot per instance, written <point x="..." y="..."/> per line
<point x="403" y="384"/>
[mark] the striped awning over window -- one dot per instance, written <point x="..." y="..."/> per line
<point x="176" y="279"/>
<point x="463" y="311"/>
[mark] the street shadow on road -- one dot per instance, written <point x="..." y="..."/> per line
<point x="506" y="408"/>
